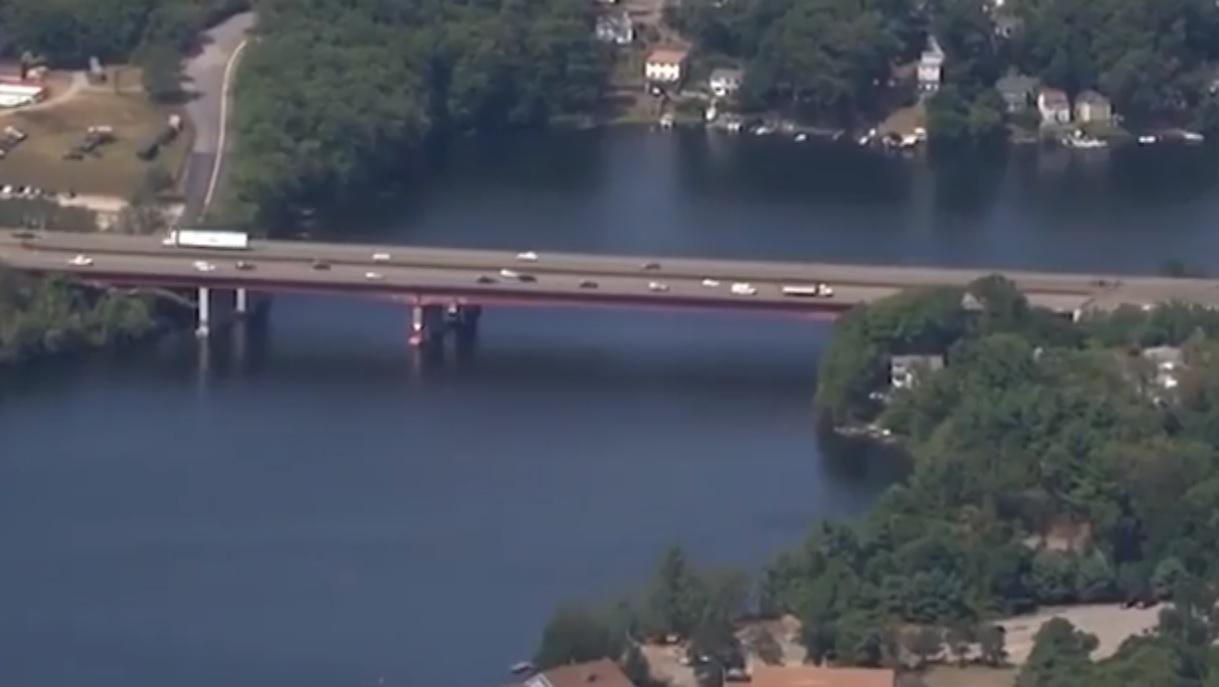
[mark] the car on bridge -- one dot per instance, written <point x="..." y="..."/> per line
<point x="204" y="266"/>
<point x="374" y="276"/>
<point x="711" y="283"/>
<point x="244" y="266"/>
<point x="658" y="287"/>
<point x="527" y="256"/>
<point x="319" y="264"/>
<point x="81" y="261"/>
<point x="744" y="289"/>
<point x="588" y="284"/>
<point x="380" y="257"/>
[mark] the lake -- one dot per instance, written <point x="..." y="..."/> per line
<point x="307" y="503"/>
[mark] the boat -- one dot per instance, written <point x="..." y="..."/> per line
<point x="1147" y="140"/>
<point x="1192" y="137"/>
<point x="666" y="122"/>
<point x="711" y="113"/>
<point x="801" y="137"/>
<point x="763" y="130"/>
<point x="1082" y="142"/>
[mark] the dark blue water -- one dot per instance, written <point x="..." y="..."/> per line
<point x="307" y="504"/>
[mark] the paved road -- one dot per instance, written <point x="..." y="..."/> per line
<point x="439" y="274"/>
<point x="205" y="83"/>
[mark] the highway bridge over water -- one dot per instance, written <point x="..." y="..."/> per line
<point x="460" y="282"/>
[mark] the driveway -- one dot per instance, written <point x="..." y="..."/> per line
<point x="205" y="84"/>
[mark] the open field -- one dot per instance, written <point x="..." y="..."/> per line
<point x="54" y="129"/>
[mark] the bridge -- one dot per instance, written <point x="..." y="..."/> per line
<point x="455" y="282"/>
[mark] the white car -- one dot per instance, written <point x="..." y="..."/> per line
<point x="658" y="287"/>
<point x="711" y="283"/>
<point x="373" y="276"/>
<point x="743" y="289"/>
<point x="204" y="266"/>
<point x="7" y="191"/>
<point x="380" y="257"/>
<point x="81" y="261"/>
<point x="527" y="256"/>
<point x="509" y="274"/>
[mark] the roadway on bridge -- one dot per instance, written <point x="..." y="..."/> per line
<point x="438" y="273"/>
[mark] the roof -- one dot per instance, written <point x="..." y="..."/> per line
<point x="668" y="55"/>
<point x="933" y="361"/>
<point x="599" y="673"/>
<point x="1054" y="97"/>
<point x="1091" y="98"/>
<point x="1164" y="354"/>
<point x="820" y="676"/>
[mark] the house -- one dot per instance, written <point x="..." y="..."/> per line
<point x="1054" y="106"/>
<point x="15" y="93"/>
<point x="665" y="66"/>
<point x="1017" y="92"/>
<point x="615" y="28"/>
<point x="821" y="676"/>
<point x="1091" y="106"/>
<point x="1169" y="362"/>
<point x="931" y="67"/>
<point x="599" y="673"/>
<point x="725" y="82"/>
<point x="904" y="370"/>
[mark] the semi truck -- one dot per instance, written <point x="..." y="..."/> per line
<point x="199" y="238"/>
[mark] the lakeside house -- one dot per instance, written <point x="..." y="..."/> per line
<point x="1017" y="92"/>
<point x="725" y="82"/>
<point x="1054" y="107"/>
<point x="905" y="370"/>
<point x="615" y="28"/>
<point x="1092" y="107"/>
<point x="1169" y="362"/>
<point x="665" y="66"/>
<point x="15" y="92"/>
<point x="599" y="673"/>
<point x="931" y="67"/>
<point x="821" y="676"/>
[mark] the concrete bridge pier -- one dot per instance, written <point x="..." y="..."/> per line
<point x="241" y="306"/>
<point x="427" y="324"/>
<point x="204" y="326"/>
<point x="463" y="318"/>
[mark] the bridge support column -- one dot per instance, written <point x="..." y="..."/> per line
<point x="205" y="313"/>
<point x="427" y="323"/>
<point x="242" y="306"/>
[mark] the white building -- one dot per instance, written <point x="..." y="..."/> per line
<point x="1054" y="106"/>
<point x="615" y="28"/>
<point x="18" y="94"/>
<point x="726" y="82"/>
<point x="931" y="67"/>
<point x="665" y="66"/>
<point x="904" y="370"/>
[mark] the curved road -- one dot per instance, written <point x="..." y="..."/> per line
<point x="207" y="74"/>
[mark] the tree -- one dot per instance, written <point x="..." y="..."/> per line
<point x="575" y="634"/>
<point x="959" y="638"/>
<point x="993" y="641"/>
<point x="924" y="642"/>
<point x="1059" y="656"/>
<point x="1054" y="577"/>
<point x="1167" y="573"/>
<point x="162" y="73"/>
<point x="1095" y="579"/>
<point x="678" y="596"/>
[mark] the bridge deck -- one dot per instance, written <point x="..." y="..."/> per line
<point x="439" y="273"/>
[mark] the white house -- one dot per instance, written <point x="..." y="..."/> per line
<point x="1091" y="106"/>
<point x="665" y="66"/>
<point x="14" y="94"/>
<point x="615" y="28"/>
<point x="931" y="67"/>
<point x="904" y="370"/>
<point x="725" y="82"/>
<point x="1054" y="106"/>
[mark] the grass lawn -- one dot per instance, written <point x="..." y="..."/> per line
<point x="115" y="171"/>
<point x="970" y="676"/>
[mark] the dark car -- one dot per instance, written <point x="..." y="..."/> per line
<point x="527" y="278"/>
<point x="485" y="279"/>
<point x="651" y="265"/>
<point x="321" y="265"/>
<point x="245" y="266"/>
<point x="25" y="235"/>
<point x="588" y="284"/>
